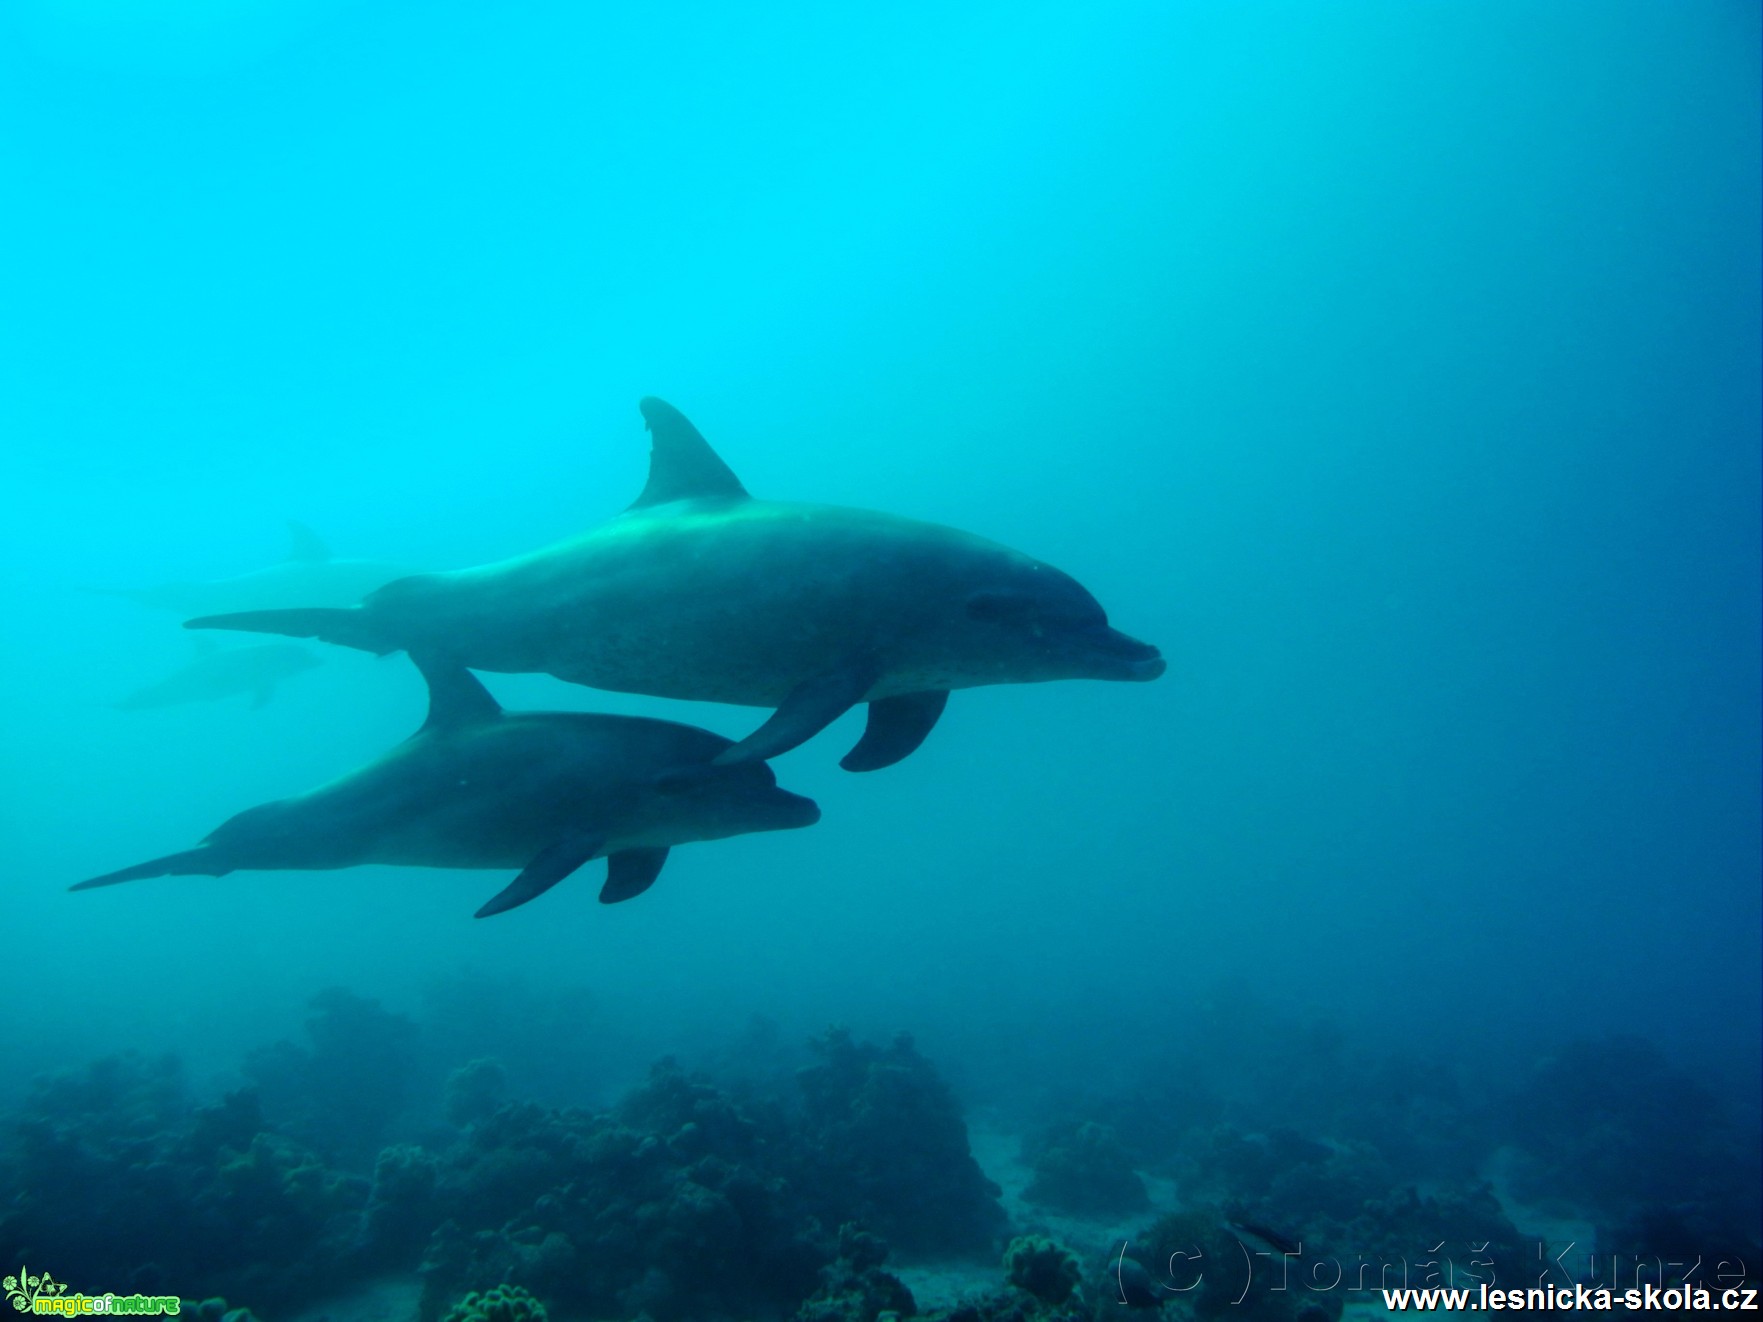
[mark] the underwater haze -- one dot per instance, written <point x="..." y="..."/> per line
<point x="1392" y="368"/>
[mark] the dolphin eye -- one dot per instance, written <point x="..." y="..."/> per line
<point x="680" y="780"/>
<point x="1000" y="606"/>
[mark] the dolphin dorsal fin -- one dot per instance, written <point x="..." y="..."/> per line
<point x="456" y="697"/>
<point x="306" y="546"/>
<point x="682" y="466"/>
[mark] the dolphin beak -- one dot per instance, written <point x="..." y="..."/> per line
<point x="1130" y="659"/>
<point x="1148" y="669"/>
<point x="794" y="811"/>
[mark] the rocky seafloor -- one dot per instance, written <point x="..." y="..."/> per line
<point x="383" y="1168"/>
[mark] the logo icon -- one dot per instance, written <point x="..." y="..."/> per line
<point x="23" y="1290"/>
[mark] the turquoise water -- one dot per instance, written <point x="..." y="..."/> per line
<point x="1393" y="368"/>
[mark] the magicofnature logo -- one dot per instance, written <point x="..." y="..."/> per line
<point x="23" y="1290"/>
<point x="43" y="1295"/>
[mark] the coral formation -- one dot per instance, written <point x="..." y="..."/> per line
<point x="235" y="1207"/>
<point x="854" y="1288"/>
<point x="882" y="1142"/>
<point x="1196" y="1257"/>
<point x="553" y="1058"/>
<point x="474" y="1091"/>
<point x="504" y="1303"/>
<point x="617" y="1212"/>
<point x="400" y="1205"/>
<point x="1046" y="1270"/>
<point x="341" y="1093"/>
<point x="1613" y="1126"/>
<point x="1081" y="1167"/>
<point x="694" y="1197"/>
<point x="682" y="1198"/>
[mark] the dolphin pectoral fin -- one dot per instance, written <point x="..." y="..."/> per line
<point x="199" y="860"/>
<point x="812" y="705"/>
<point x="896" y="727"/>
<point x="682" y="466"/>
<point x="549" y="866"/>
<point x="630" y="872"/>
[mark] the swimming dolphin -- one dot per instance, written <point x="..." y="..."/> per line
<point x="476" y="787"/>
<point x="699" y="591"/>
<point x="310" y="576"/>
<point x="216" y="673"/>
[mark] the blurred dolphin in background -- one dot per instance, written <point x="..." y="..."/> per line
<point x="217" y="673"/>
<point x="310" y="576"/>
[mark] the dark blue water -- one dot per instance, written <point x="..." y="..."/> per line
<point x="1393" y="368"/>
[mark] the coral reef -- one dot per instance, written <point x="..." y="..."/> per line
<point x="504" y="1303"/>
<point x="1081" y="1167"/>
<point x="341" y="1093"/>
<point x="1196" y="1257"/>
<point x="554" y="1056"/>
<point x="1613" y="1126"/>
<point x="701" y="1197"/>
<point x="665" y="1205"/>
<point x="882" y="1142"/>
<point x="1046" y="1270"/>
<point x="1240" y="1062"/>
<point x="233" y="1206"/>
<point x="400" y="1206"/>
<point x="682" y="1198"/>
<point x="1321" y="1220"/>
<point x="474" y="1091"/>
<point x="854" y="1288"/>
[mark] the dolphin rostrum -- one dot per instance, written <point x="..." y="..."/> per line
<point x="477" y="787"/>
<point x="215" y="673"/>
<point x="310" y="576"/>
<point x="699" y="591"/>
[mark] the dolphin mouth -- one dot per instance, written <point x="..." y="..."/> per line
<point x="1129" y="659"/>
<point x="1147" y="669"/>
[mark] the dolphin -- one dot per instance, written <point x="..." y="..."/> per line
<point x="699" y="591"/>
<point x="216" y="673"/>
<point x="477" y="787"/>
<point x="310" y="576"/>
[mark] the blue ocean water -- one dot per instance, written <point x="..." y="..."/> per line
<point x="1393" y="368"/>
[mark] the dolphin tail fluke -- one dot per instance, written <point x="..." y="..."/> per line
<point x="346" y="626"/>
<point x="190" y="862"/>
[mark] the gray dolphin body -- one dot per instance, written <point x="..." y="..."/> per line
<point x="218" y="673"/>
<point x="700" y="592"/>
<point x="310" y="576"/>
<point x="480" y="788"/>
